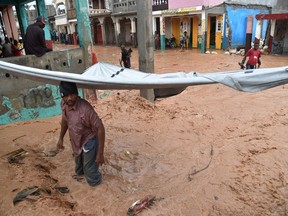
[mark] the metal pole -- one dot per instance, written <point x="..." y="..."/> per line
<point x="146" y="41"/>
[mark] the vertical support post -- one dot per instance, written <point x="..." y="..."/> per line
<point x="103" y="30"/>
<point x="258" y="31"/>
<point x="73" y="31"/>
<point x="133" y="31"/>
<point x="162" y="33"/>
<point x="84" y="31"/>
<point x="224" y="43"/>
<point x="272" y="32"/>
<point x="85" y="39"/>
<point x="204" y="31"/>
<point x="9" y="22"/>
<point x="22" y="18"/>
<point x="249" y="33"/>
<point x="117" y="31"/>
<point x="145" y="35"/>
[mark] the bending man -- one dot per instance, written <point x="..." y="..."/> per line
<point x="86" y="131"/>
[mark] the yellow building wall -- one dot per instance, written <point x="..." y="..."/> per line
<point x="195" y="32"/>
<point x="176" y="29"/>
<point x="218" y="39"/>
<point x="208" y="33"/>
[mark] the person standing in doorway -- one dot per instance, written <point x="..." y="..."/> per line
<point x="34" y="40"/>
<point x="157" y="40"/>
<point x="186" y="38"/>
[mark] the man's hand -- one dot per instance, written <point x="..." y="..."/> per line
<point x="100" y="159"/>
<point x="60" y="147"/>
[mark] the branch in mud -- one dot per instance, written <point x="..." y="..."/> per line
<point x="198" y="171"/>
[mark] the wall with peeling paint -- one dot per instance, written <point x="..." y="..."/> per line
<point x="237" y="22"/>
<point x="22" y="99"/>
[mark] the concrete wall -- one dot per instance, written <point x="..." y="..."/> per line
<point x="281" y="6"/>
<point x="23" y="99"/>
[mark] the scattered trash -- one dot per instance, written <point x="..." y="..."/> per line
<point x="15" y="156"/>
<point x="35" y="190"/>
<point x="62" y="189"/>
<point x="78" y="178"/>
<point x="103" y="94"/>
<point x="51" y="153"/>
<point x="127" y="153"/>
<point x="139" y="205"/>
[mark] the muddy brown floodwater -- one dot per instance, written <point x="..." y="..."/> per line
<point x="210" y="150"/>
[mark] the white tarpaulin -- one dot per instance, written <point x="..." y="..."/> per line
<point x="107" y="76"/>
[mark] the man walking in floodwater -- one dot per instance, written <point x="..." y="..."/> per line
<point x="34" y="41"/>
<point x="125" y="57"/>
<point x="86" y="131"/>
<point x="253" y="55"/>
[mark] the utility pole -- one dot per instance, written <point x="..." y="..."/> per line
<point x="146" y="43"/>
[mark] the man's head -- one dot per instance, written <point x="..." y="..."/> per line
<point x="256" y="45"/>
<point x="7" y="40"/>
<point x="122" y="46"/>
<point x="40" y="20"/>
<point x="69" y="92"/>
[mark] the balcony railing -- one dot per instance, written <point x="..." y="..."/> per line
<point x="124" y="6"/>
<point x="98" y="11"/>
<point x="159" y="5"/>
<point x="71" y="13"/>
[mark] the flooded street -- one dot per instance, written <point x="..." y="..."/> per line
<point x="210" y="150"/>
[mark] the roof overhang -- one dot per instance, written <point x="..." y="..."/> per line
<point x="272" y="16"/>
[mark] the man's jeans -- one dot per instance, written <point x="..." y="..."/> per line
<point x="249" y="66"/>
<point x="86" y="163"/>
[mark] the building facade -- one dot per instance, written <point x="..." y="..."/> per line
<point x="218" y="24"/>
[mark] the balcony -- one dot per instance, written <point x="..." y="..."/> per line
<point x="71" y="14"/>
<point x="124" y="6"/>
<point x="158" y="5"/>
<point x="61" y="19"/>
<point x="95" y="12"/>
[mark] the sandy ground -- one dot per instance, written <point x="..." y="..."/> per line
<point x="210" y="150"/>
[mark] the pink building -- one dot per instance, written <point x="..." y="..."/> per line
<point x="173" y="4"/>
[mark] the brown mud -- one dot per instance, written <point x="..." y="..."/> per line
<point x="210" y="150"/>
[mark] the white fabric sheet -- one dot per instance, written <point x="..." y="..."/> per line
<point x="107" y="76"/>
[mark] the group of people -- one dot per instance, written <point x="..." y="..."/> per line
<point x="11" y="47"/>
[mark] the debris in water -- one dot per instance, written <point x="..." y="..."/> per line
<point x="139" y="205"/>
<point x="15" y="156"/>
